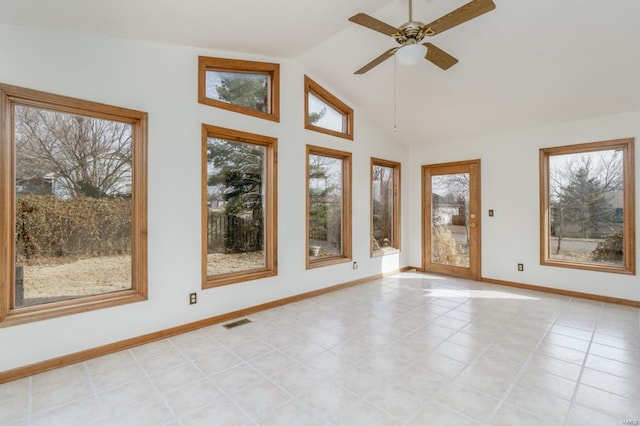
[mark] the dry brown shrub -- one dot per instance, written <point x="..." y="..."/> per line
<point x="48" y="227"/>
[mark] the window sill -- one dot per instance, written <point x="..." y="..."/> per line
<point x="327" y="261"/>
<point x="384" y="252"/>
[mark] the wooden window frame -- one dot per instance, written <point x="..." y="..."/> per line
<point x="321" y="93"/>
<point x="627" y="147"/>
<point x="346" y="242"/>
<point x="206" y="63"/>
<point x="10" y="96"/>
<point x="271" y="222"/>
<point x="396" y="205"/>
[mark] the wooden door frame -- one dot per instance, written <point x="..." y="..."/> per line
<point x="475" y="261"/>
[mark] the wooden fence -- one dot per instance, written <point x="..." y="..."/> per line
<point x="232" y="234"/>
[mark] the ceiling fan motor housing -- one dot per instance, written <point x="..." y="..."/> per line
<point x="412" y="32"/>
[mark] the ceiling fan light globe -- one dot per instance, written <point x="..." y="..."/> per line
<point x="411" y="54"/>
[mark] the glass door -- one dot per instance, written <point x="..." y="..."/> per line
<point x="451" y="218"/>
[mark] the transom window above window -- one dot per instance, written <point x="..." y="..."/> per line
<point x="246" y="87"/>
<point x="325" y="113"/>
<point x="587" y="206"/>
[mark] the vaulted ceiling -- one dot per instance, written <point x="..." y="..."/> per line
<point x="526" y="64"/>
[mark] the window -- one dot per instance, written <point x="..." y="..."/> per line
<point x="73" y="217"/>
<point x="587" y="206"/>
<point x="325" y="113"/>
<point x="246" y="87"/>
<point x="328" y="206"/>
<point x="239" y="206"/>
<point x="385" y="207"/>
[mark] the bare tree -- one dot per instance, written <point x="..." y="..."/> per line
<point x="80" y="155"/>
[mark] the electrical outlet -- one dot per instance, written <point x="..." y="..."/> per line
<point x="193" y="298"/>
<point x="355" y="265"/>
<point x="520" y="267"/>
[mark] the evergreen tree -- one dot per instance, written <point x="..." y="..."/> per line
<point x="584" y="202"/>
<point x="245" y="90"/>
<point x="239" y="177"/>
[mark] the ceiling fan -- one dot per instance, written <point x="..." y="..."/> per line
<point x="412" y="32"/>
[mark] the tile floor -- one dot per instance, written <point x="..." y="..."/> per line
<point x="411" y="349"/>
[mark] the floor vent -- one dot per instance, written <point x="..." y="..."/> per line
<point x="237" y="323"/>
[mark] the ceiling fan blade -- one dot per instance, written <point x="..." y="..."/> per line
<point x="373" y="24"/>
<point x="439" y="57"/>
<point x="377" y="61"/>
<point x="465" y="13"/>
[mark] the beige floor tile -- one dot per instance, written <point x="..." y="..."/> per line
<point x="616" y="354"/>
<point x="299" y="379"/>
<point x="271" y="363"/>
<point x="117" y="375"/>
<point x="260" y="398"/>
<point x="220" y="412"/>
<point x="293" y="413"/>
<point x="397" y="399"/>
<point x="176" y="377"/>
<point x="188" y="339"/>
<point x="365" y="414"/>
<point x="631" y="343"/>
<point x="156" y="362"/>
<point x="201" y="348"/>
<point x="237" y="378"/>
<point x="109" y="362"/>
<point x="196" y="396"/>
<point x="330" y="399"/>
<point x="434" y="414"/>
<point x="118" y="399"/>
<point x="583" y="416"/>
<point x="14" y="407"/>
<point x="508" y="415"/>
<point x="16" y="387"/>
<point x="411" y="349"/>
<point x="442" y="365"/>
<point x="555" y="366"/>
<point x="251" y="349"/>
<point x="562" y="353"/>
<point x="543" y="404"/>
<point x="217" y="362"/>
<point x="617" y="368"/>
<point x="628" y="388"/>
<point x="541" y="379"/>
<point x="58" y="376"/>
<point x="473" y="404"/>
<point x="61" y="394"/>
<point x="149" y="349"/>
<point x="152" y="413"/>
<point x="76" y="413"/>
<point x="608" y="403"/>
<point x="358" y="380"/>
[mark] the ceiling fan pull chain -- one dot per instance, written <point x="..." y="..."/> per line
<point x="395" y="94"/>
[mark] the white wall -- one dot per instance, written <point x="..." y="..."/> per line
<point x="510" y="186"/>
<point x="162" y="80"/>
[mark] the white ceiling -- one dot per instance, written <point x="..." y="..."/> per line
<point x="528" y="63"/>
